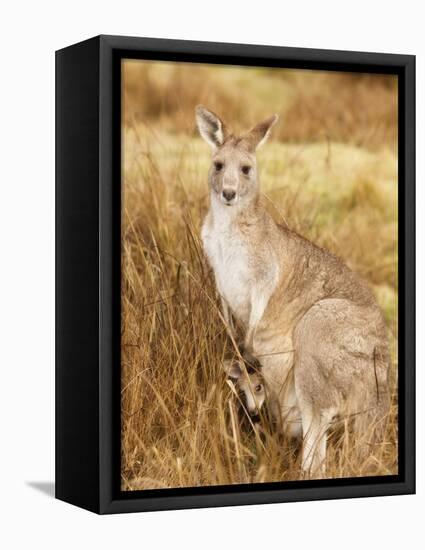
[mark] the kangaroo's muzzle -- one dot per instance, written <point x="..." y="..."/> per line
<point x="228" y="195"/>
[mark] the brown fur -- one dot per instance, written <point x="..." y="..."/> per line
<point x="321" y="337"/>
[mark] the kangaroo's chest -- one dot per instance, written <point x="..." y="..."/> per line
<point x="232" y="262"/>
<point x="234" y="267"/>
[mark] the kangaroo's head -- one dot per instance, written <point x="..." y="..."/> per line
<point x="232" y="176"/>
<point x="249" y="382"/>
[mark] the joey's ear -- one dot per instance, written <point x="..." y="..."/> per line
<point x="259" y="134"/>
<point x="232" y="368"/>
<point x="210" y="126"/>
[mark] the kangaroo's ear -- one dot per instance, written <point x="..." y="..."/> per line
<point x="232" y="368"/>
<point x="210" y="126"/>
<point x="259" y="134"/>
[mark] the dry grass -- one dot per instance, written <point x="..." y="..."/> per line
<point x="181" y="422"/>
<point x="315" y="106"/>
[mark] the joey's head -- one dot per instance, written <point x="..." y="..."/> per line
<point x="249" y="381"/>
<point x="232" y="177"/>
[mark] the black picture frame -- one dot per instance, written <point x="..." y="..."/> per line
<point x="88" y="201"/>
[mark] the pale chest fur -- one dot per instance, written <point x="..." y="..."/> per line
<point x="229" y="257"/>
<point x="241" y="277"/>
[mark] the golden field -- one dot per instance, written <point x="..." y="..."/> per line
<point x="329" y="171"/>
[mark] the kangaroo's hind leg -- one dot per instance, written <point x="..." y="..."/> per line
<point x="315" y="426"/>
<point x="341" y="364"/>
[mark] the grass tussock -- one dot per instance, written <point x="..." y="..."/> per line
<point x="182" y="424"/>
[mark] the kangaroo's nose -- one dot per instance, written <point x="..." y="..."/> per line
<point x="228" y="194"/>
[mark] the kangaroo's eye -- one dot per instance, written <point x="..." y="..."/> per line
<point x="246" y="170"/>
<point x="258" y="388"/>
<point x="218" y="166"/>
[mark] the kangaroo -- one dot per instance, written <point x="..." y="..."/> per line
<point x="312" y="322"/>
<point x="246" y="372"/>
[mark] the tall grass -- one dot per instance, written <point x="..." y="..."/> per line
<point x="182" y="423"/>
<point x="315" y="106"/>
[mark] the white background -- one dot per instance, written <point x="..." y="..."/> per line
<point x="29" y="34"/>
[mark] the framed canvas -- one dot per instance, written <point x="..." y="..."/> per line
<point x="221" y="340"/>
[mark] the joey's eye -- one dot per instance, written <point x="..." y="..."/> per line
<point x="258" y="388"/>
<point x="218" y="166"/>
<point x="246" y="170"/>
